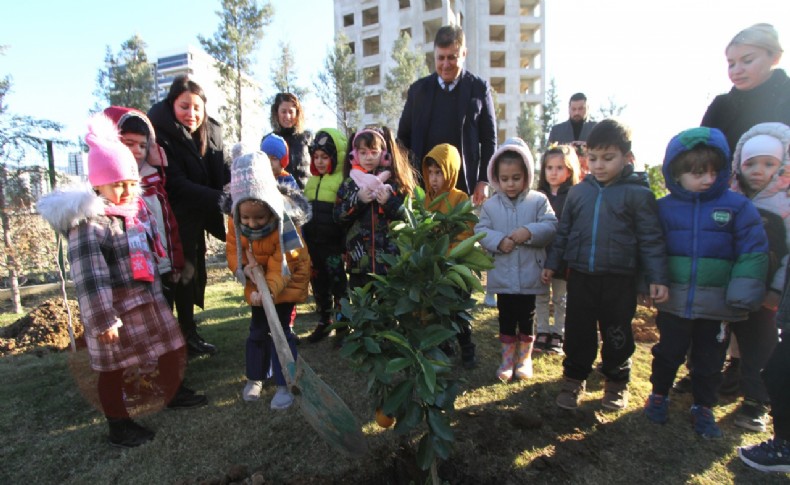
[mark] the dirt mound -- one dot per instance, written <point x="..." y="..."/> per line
<point x="44" y="328"/>
<point x="644" y="325"/>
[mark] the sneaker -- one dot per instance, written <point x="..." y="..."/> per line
<point x="769" y="456"/>
<point x="731" y="377"/>
<point x="657" y="408"/>
<point x="541" y="342"/>
<point x="752" y="415"/>
<point x="319" y="333"/>
<point x="682" y="385"/>
<point x="186" y="398"/>
<point x="554" y="346"/>
<point x="489" y="300"/>
<point x="570" y="392"/>
<point x="282" y="398"/>
<point x="615" y="395"/>
<point x="125" y="433"/>
<point x="252" y="390"/>
<point x="704" y="422"/>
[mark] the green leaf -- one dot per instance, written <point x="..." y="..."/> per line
<point x="398" y="364"/>
<point x="428" y="374"/>
<point x="411" y="418"/>
<point x="404" y="305"/>
<point x="395" y="337"/>
<point x="439" y="424"/>
<point x="396" y="397"/>
<point x="414" y="294"/>
<point x="425" y="455"/>
<point x="441" y="447"/>
<point x="371" y="346"/>
<point x="434" y="335"/>
<point x="349" y="349"/>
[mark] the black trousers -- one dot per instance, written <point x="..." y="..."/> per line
<point x="776" y="377"/>
<point x="757" y="338"/>
<point x="707" y="340"/>
<point x="599" y="302"/>
<point x="328" y="279"/>
<point x="516" y="313"/>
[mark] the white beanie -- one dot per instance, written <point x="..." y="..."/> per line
<point x="762" y="145"/>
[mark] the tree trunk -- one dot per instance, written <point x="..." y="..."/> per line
<point x="238" y="95"/>
<point x="13" y="271"/>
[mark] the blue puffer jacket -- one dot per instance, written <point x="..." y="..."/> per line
<point x="611" y="229"/>
<point x="716" y="245"/>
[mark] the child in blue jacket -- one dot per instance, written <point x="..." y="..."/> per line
<point x="717" y="254"/>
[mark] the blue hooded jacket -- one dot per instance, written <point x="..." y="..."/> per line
<point x="716" y="245"/>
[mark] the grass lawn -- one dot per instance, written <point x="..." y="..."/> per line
<point x="506" y="434"/>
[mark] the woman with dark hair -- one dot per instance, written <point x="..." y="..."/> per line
<point x="196" y="174"/>
<point x="287" y="119"/>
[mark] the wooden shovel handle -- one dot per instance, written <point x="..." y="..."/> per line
<point x="275" y="326"/>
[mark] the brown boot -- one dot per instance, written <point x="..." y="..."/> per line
<point x="615" y="395"/>
<point x="570" y="392"/>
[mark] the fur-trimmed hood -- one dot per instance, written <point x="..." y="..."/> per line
<point x="519" y="147"/>
<point x="66" y="207"/>
<point x="781" y="179"/>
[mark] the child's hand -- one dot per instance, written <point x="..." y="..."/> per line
<point x="520" y="235"/>
<point x="256" y="299"/>
<point x="175" y="276"/>
<point x="365" y="195"/>
<point x="383" y="195"/>
<point x="546" y="276"/>
<point x="506" y="245"/>
<point x="187" y="273"/>
<point x="109" y="336"/>
<point x="658" y="294"/>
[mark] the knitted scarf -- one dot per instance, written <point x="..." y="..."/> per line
<point x="138" y="229"/>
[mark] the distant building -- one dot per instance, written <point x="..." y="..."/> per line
<point x="200" y="67"/>
<point x="76" y="166"/>
<point x="504" y="40"/>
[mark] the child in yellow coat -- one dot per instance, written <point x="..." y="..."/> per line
<point x="263" y="231"/>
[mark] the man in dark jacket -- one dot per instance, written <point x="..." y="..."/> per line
<point x="576" y="128"/>
<point x="452" y="106"/>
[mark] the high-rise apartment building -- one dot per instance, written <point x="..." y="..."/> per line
<point x="200" y="67"/>
<point x="504" y="39"/>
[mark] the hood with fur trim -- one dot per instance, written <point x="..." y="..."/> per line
<point x="66" y="207"/>
<point x="687" y="140"/>
<point x="781" y="179"/>
<point x="449" y="161"/>
<point x="519" y="147"/>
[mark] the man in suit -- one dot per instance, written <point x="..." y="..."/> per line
<point x="452" y="106"/>
<point x="577" y="128"/>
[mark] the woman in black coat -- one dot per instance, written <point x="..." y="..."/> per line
<point x="196" y="173"/>
<point x="760" y="92"/>
<point x="287" y="119"/>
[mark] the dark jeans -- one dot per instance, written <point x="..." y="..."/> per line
<point x="605" y="302"/>
<point x="261" y="357"/>
<point x="757" y="337"/>
<point x="776" y="377"/>
<point x="516" y="312"/>
<point x="707" y="340"/>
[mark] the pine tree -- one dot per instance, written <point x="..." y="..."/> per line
<point x="340" y="86"/>
<point x="548" y="117"/>
<point x="529" y="129"/>
<point x="283" y="74"/>
<point x="127" y="78"/>
<point x="409" y="66"/>
<point x="239" y="32"/>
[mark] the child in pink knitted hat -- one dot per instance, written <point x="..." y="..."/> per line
<point x="113" y="250"/>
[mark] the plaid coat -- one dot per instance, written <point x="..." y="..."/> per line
<point x="106" y="291"/>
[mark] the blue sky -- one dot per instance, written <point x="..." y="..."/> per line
<point x="663" y="60"/>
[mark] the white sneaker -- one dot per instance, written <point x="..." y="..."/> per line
<point x="490" y="299"/>
<point x="252" y="390"/>
<point x="282" y="398"/>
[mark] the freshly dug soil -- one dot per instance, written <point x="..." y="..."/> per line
<point x="44" y="329"/>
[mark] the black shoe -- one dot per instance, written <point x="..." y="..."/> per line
<point x="682" y="385"/>
<point x="186" y="398"/>
<point x="319" y="333"/>
<point x="125" y="433"/>
<point x="197" y="346"/>
<point x="731" y="377"/>
<point x="340" y="336"/>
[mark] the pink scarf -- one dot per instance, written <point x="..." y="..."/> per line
<point x="138" y="230"/>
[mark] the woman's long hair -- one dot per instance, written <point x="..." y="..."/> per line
<point x="182" y="84"/>
<point x="274" y="119"/>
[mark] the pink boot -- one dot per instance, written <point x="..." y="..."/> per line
<point x="505" y="371"/>
<point x="524" y="357"/>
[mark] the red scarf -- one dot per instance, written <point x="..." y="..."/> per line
<point x="137" y="220"/>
